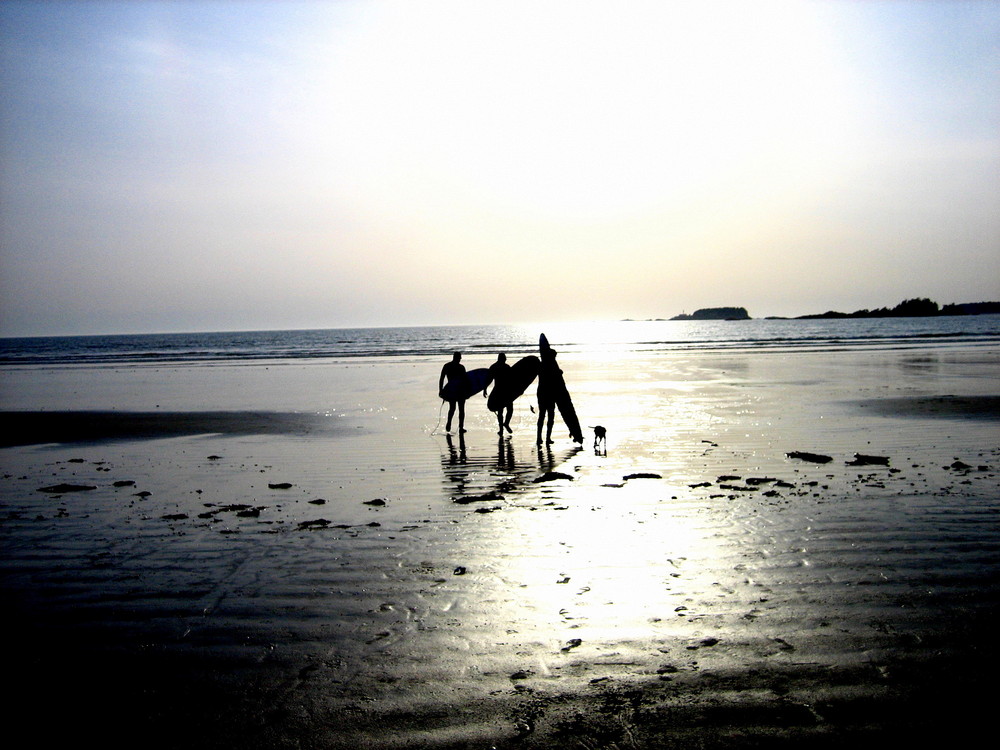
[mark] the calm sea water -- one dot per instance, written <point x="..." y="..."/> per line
<point x="621" y="336"/>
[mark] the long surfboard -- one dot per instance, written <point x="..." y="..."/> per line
<point x="476" y="381"/>
<point x="522" y="374"/>
<point x="563" y="401"/>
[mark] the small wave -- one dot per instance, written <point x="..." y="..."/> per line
<point x="254" y="347"/>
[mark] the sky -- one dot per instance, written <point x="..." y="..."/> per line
<point x="235" y="165"/>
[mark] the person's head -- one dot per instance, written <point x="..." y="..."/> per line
<point x="456" y="357"/>
<point x="501" y="357"/>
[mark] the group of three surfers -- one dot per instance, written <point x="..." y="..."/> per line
<point x="549" y="379"/>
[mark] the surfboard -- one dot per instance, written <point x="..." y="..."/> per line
<point x="562" y="398"/>
<point x="522" y="374"/>
<point x="477" y="380"/>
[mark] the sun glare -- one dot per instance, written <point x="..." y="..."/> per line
<point x="567" y="111"/>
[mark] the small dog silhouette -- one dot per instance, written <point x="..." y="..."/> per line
<point x="600" y="436"/>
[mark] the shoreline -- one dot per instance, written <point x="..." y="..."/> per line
<point x="25" y="428"/>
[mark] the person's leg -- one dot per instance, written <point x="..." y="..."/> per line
<point x="548" y="431"/>
<point x="451" y="413"/>
<point x="541" y="419"/>
<point x="461" y="416"/>
<point x="510" y="413"/>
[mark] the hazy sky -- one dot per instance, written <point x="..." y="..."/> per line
<point x="171" y="166"/>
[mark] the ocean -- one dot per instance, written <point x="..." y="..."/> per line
<point x="606" y="337"/>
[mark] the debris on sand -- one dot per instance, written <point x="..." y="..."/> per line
<point x="816" y="458"/>
<point x="488" y="497"/>
<point x="704" y="643"/>
<point x="280" y="486"/>
<point x="551" y="476"/>
<point x="318" y="523"/>
<point x="642" y="475"/>
<point x="378" y="502"/>
<point x="860" y="459"/>
<point x="59" y="489"/>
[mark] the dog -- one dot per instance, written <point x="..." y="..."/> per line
<point x="600" y="437"/>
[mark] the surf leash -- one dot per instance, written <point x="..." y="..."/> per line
<point x="440" y="411"/>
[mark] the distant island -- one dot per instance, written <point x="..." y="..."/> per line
<point x="912" y="308"/>
<point x="716" y="313"/>
<point x="919" y="307"/>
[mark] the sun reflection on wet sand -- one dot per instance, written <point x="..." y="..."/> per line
<point x="605" y="567"/>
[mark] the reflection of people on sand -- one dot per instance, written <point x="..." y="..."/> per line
<point x="548" y="461"/>
<point x="549" y="378"/>
<point x="505" y="456"/>
<point x="456" y="456"/>
<point x="500" y="372"/>
<point x="457" y="390"/>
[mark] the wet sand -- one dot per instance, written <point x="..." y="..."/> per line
<point x="39" y="427"/>
<point x="341" y="574"/>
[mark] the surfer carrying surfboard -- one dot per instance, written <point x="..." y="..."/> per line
<point x="457" y="391"/>
<point x="549" y="378"/>
<point x="552" y="393"/>
<point x="500" y="372"/>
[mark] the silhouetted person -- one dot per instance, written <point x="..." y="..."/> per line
<point x="548" y="387"/>
<point x="500" y="372"/>
<point x="454" y="373"/>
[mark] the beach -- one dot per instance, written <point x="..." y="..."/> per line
<point x="774" y="549"/>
